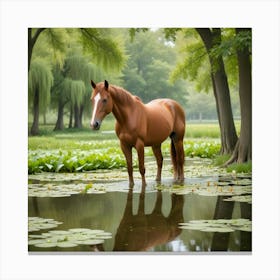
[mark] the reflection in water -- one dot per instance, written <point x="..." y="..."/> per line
<point x="145" y="222"/>
<point x="224" y="210"/>
<point x="143" y="231"/>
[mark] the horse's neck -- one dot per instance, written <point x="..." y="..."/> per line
<point x="123" y="105"/>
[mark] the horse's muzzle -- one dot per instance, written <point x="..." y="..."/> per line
<point x="96" y="125"/>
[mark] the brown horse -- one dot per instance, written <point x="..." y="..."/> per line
<point x="139" y="125"/>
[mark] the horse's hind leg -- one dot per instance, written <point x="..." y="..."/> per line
<point x="178" y="157"/>
<point x="174" y="159"/>
<point x="159" y="158"/>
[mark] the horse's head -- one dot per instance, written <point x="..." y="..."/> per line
<point x="101" y="103"/>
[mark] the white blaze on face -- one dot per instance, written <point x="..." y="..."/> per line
<point x="96" y="100"/>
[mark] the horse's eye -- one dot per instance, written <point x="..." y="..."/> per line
<point x="104" y="101"/>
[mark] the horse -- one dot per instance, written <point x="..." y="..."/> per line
<point x="139" y="125"/>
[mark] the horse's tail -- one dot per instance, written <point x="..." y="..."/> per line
<point x="173" y="156"/>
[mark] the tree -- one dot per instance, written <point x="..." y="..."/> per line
<point x="215" y="74"/>
<point x="97" y="45"/>
<point x="39" y="87"/>
<point x="32" y="39"/>
<point x="220" y="89"/>
<point x="243" y="148"/>
<point x="42" y="55"/>
<point x="150" y="61"/>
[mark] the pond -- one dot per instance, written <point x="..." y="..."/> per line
<point x="97" y="211"/>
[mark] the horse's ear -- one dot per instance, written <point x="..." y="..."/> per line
<point x="106" y="84"/>
<point x="92" y="84"/>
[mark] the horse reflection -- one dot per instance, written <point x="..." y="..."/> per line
<point x="142" y="231"/>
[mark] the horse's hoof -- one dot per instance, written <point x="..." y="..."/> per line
<point x="158" y="180"/>
<point x="131" y="184"/>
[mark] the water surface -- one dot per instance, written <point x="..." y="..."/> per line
<point x="142" y="219"/>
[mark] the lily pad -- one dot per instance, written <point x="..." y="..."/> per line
<point x="70" y="238"/>
<point x="37" y="223"/>
<point x="217" y="229"/>
<point x="91" y="242"/>
<point x="220" y="225"/>
<point x="59" y="232"/>
<point x="79" y="230"/>
<point x="66" y="244"/>
<point x="240" y="198"/>
<point x="46" y="245"/>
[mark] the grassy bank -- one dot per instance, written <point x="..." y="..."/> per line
<point x="193" y="130"/>
<point x="79" y="150"/>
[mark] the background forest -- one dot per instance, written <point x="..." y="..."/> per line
<point x="62" y="65"/>
<point x="207" y="70"/>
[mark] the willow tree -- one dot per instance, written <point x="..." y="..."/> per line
<point x="76" y="89"/>
<point x="46" y="47"/>
<point x="99" y="48"/>
<point x="92" y="53"/>
<point x="40" y="80"/>
<point x="53" y="41"/>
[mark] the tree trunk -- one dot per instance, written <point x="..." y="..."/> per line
<point x="59" y="123"/>
<point x="221" y="90"/>
<point x="223" y="210"/>
<point x="243" y="148"/>
<point x="81" y="114"/>
<point x="35" y="126"/>
<point x="32" y="41"/>
<point x="77" y="120"/>
<point x="45" y="118"/>
<point x="71" y="118"/>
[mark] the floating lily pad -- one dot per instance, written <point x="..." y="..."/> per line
<point x="217" y="229"/>
<point x="79" y="230"/>
<point x="36" y="224"/>
<point x="91" y="242"/>
<point x="59" y="232"/>
<point x="240" y="198"/>
<point x="35" y="241"/>
<point x="69" y="238"/>
<point x="46" y="245"/>
<point x="66" y="244"/>
<point x="220" y="225"/>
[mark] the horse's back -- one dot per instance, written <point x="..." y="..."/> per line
<point x="165" y="116"/>
<point x="166" y="108"/>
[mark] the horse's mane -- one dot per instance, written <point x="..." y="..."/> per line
<point x="124" y="96"/>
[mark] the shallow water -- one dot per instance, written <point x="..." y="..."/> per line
<point x="141" y="219"/>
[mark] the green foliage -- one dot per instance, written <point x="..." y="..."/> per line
<point x="194" y="63"/>
<point x="240" y="167"/>
<point x="203" y="149"/>
<point x="232" y="42"/>
<point x="220" y="160"/>
<point x="48" y="156"/>
<point x="40" y="79"/>
<point x="104" y="50"/>
<point x="246" y="167"/>
<point x="77" y="91"/>
<point x="151" y="59"/>
<point x="74" y="161"/>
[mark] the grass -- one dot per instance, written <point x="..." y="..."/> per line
<point x="246" y="167"/>
<point x="240" y="167"/>
<point x="75" y="150"/>
<point x="193" y="130"/>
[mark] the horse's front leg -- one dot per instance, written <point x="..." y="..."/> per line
<point x="127" y="150"/>
<point x="140" y="151"/>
